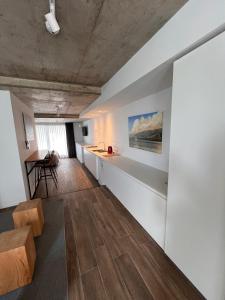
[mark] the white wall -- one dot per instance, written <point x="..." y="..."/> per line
<point x="195" y="230"/>
<point x="12" y="189"/>
<point x="112" y="129"/>
<point x="18" y="109"/>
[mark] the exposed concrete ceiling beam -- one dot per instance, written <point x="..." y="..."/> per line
<point x="64" y="116"/>
<point x="49" y="85"/>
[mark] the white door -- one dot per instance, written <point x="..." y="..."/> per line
<point x="195" y="229"/>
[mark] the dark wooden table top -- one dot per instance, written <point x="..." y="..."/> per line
<point x="38" y="155"/>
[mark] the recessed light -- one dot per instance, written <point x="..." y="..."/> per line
<point x="101" y="111"/>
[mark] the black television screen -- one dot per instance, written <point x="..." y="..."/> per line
<point x="85" y="130"/>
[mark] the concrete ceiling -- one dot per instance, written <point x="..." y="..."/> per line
<point x="57" y="120"/>
<point x="46" y="101"/>
<point x="97" y="38"/>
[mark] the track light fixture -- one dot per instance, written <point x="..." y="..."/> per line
<point x="50" y="19"/>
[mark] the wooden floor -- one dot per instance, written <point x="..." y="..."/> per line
<point x="109" y="255"/>
<point x="72" y="177"/>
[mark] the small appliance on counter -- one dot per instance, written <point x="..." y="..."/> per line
<point x="110" y="150"/>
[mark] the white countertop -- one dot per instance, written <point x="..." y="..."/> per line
<point x="152" y="178"/>
<point x="103" y="155"/>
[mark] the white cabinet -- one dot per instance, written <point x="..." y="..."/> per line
<point x="80" y="154"/>
<point x="91" y="162"/>
<point x="195" y="229"/>
<point x="146" y="206"/>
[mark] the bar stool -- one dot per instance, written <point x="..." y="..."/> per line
<point x="54" y="161"/>
<point x="45" y="170"/>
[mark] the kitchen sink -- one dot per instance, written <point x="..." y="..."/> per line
<point x="99" y="150"/>
<point x="91" y="146"/>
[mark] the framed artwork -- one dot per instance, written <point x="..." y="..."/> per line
<point x="145" y="131"/>
<point x="29" y="129"/>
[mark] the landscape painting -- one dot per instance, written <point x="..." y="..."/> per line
<point x="145" y="131"/>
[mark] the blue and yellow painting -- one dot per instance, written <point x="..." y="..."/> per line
<point x="145" y="131"/>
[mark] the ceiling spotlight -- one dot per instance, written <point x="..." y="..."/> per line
<point x="50" y="19"/>
<point x="58" y="110"/>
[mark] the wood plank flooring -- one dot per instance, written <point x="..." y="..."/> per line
<point x="72" y="177"/>
<point x="109" y="255"/>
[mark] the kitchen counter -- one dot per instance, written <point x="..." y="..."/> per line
<point x="152" y="178"/>
<point x="103" y="155"/>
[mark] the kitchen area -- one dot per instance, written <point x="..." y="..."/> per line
<point x="126" y="179"/>
<point x="168" y="167"/>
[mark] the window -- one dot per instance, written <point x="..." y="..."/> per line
<point x="52" y="137"/>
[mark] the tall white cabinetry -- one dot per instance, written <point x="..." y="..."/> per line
<point x="80" y="152"/>
<point x="195" y="226"/>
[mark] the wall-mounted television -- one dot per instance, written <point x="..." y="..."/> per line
<point x="85" y="130"/>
